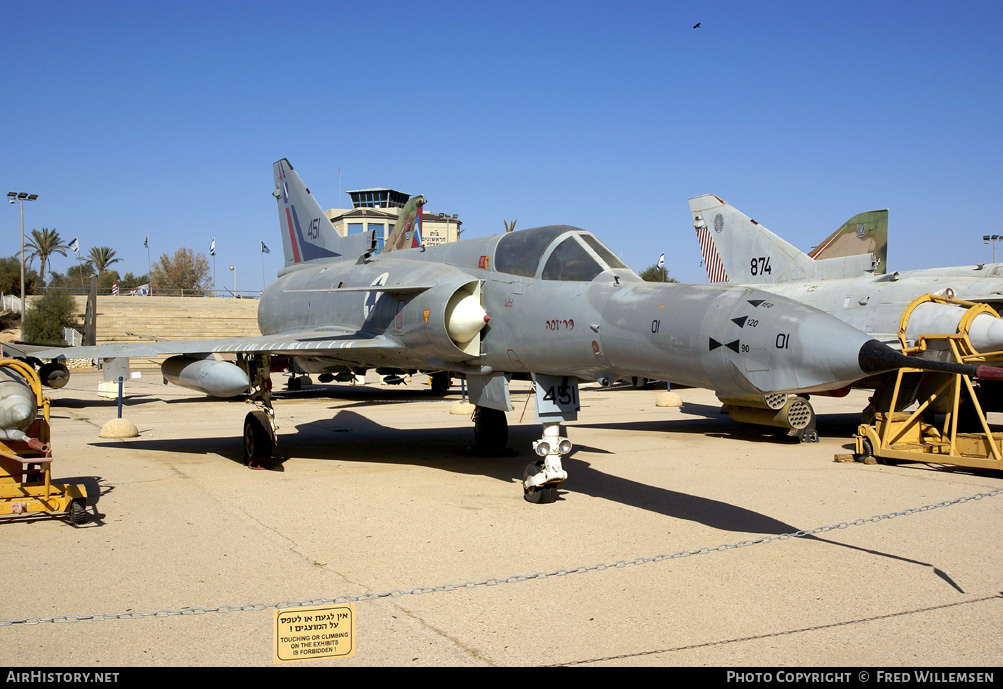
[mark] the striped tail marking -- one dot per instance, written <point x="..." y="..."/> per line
<point x="711" y="259"/>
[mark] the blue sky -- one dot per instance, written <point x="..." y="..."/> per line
<point x="163" y="118"/>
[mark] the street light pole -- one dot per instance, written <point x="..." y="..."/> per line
<point x="992" y="238"/>
<point x="22" y="197"/>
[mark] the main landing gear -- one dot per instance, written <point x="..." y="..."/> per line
<point x="490" y="431"/>
<point x="259" y="425"/>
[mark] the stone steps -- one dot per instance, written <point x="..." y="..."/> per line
<point x="140" y="319"/>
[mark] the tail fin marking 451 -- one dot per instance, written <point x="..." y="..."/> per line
<point x="307" y="233"/>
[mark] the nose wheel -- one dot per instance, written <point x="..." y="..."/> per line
<point x="539" y="495"/>
<point x="541" y="478"/>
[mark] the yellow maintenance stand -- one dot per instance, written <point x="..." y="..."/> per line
<point x="905" y="436"/>
<point x="26" y="486"/>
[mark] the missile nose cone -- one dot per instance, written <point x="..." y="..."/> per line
<point x="16" y="411"/>
<point x="986" y="333"/>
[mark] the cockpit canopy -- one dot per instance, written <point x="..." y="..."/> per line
<point x="555" y="252"/>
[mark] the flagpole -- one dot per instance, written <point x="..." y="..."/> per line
<point x="212" y="252"/>
<point x="264" y="250"/>
<point x="149" y="270"/>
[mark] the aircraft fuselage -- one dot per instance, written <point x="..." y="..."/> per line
<point x="734" y="341"/>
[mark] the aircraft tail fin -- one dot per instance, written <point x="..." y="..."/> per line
<point x="407" y="230"/>
<point x="737" y="249"/>
<point x="864" y="233"/>
<point x="307" y="233"/>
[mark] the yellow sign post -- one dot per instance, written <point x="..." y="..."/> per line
<point x="314" y="633"/>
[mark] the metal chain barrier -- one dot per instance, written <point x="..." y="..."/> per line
<point x="495" y="582"/>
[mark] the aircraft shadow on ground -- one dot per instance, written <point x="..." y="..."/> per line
<point x="350" y="437"/>
<point x="102" y="402"/>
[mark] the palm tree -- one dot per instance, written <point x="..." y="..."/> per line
<point x="509" y="227"/>
<point x="102" y="257"/>
<point x="43" y="244"/>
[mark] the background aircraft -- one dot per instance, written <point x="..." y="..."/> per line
<point x="739" y="251"/>
<point x="551" y="302"/>
<point x="866" y="233"/>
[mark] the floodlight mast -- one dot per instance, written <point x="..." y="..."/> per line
<point x="21" y="196"/>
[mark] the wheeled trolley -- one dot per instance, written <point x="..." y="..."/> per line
<point x="26" y="486"/>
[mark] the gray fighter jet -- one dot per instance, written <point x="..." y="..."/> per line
<point x="551" y="302"/>
<point x="855" y="288"/>
<point x="853" y="284"/>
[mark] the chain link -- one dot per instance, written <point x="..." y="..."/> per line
<point x="446" y="588"/>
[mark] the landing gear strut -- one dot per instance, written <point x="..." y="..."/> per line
<point x="540" y="479"/>
<point x="556" y="402"/>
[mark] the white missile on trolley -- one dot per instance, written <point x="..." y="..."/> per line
<point x="985" y="331"/>
<point x="18" y="406"/>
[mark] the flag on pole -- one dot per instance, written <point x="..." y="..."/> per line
<point x="147" y="242"/>
<point x="265" y="249"/>
<point x="114" y="289"/>
<point x="212" y="247"/>
<point x="661" y="260"/>
<point x="75" y="245"/>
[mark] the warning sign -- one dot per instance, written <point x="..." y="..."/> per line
<point x="314" y="633"/>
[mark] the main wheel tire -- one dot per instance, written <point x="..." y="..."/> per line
<point x="490" y="429"/>
<point x="867" y="452"/>
<point x="78" y="511"/>
<point x="257" y="443"/>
